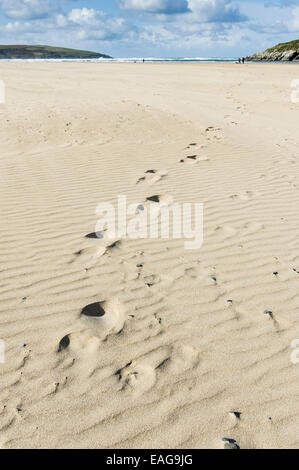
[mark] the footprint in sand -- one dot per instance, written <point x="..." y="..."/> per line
<point x="251" y="227"/>
<point x="182" y="358"/>
<point x="162" y="199"/>
<point x="115" y="245"/>
<point x="226" y="230"/>
<point x="192" y="159"/>
<point x="107" y="242"/>
<point x="104" y="318"/>
<point x="88" y="256"/>
<point x="141" y="375"/>
<point x="213" y="129"/>
<point x="95" y="235"/>
<point x="213" y="133"/>
<point x="228" y="443"/>
<point x="235" y="415"/>
<point x="78" y="342"/>
<point x="64" y="343"/>
<point x="278" y="325"/>
<point x="99" y="247"/>
<point x="193" y="144"/>
<point x="245" y="196"/>
<point x="78" y="347"/>
<point x="191" y="272"/>
<point x="137" y="377"/>
<point x="152" y="176"/>
<point x="162" y="281"/>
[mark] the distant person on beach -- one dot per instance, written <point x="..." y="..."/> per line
<point x="239" y="60"/>
<point x="243" y="60"/>
<point x="143" y="60"/>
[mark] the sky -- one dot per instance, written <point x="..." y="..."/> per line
<point x="152" y="28"/>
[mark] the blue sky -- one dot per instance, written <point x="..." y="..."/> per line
<point x="151" y="28"/>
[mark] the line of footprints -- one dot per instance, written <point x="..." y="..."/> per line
<point x="105" y="318"/>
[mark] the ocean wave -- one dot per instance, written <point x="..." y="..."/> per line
<point x="135" y="60"/>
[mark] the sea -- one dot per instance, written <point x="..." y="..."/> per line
<point x="139" y="60"/>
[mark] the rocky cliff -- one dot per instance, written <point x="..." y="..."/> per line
<point x="288" y="51"/>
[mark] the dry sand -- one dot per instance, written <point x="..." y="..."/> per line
<point x="172" y="357"/>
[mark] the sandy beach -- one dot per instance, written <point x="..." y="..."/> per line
<point x="192" y="346"/>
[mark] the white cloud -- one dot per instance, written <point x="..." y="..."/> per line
<point x="217" y="11"/>
<point x="85" y="16"/>
<point x="204" y="10"/>
<point x="155" y="6"/>
<point x="293" y="24"/>
<point x="28" y="9"/>
<point x="93" y="24"/>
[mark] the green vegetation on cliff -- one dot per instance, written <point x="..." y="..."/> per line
<point x="288" y="51"/>
<point x="285" y="46"/>
<point x="45" y="52"/>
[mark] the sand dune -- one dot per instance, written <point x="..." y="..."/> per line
<point x="141" y="343"/>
